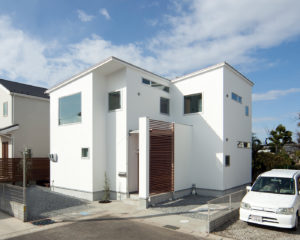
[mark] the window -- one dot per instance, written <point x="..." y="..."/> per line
<point x="247" y="111"/>
<point x="84" y="152"/>
<point x="146" y="81"/>
<point x="193" y="103"/>
<point x="70" y="109"/>
<point x="243" y="144"/>
<point x="227" y="161"/>
<point x="155" y="85"/>
<point x="5" y="109"/>
<point x="114" y="101"/>
<point x="164" y="105"/>
<point x="236" y="97"/>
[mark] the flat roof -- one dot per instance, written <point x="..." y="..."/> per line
<point x="285" y="173"/>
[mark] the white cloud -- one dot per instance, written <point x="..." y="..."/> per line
<point x="84" y="17"/>
<point x="273" y="94"/>
<point x="199" y="33"/>
<point x="104" y="12"/>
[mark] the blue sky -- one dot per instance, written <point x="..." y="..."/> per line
<point x="44" y="42"/>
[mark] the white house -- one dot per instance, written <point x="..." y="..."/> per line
<point x="24" y="119"/>
<point x="150" y="134"/>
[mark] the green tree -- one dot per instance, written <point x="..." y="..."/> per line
<point x="279" y="137"/>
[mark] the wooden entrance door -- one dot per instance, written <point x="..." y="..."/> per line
<point x="5" y="150"/>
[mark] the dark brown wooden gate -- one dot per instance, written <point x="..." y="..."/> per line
<point x="161" y="157"/>
<point x="5" y="150"/>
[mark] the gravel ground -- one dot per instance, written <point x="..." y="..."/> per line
<point x="189" y="206"/>
<point x="43" y="203"/>
<point x="243" y="231"/>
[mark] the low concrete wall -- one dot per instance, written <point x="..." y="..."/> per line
<point x="15" y="209"/>
<point x="219" y="221"/>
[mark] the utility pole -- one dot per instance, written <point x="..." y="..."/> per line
<point x="24" y="178"/>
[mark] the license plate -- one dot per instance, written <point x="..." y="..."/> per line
<point x="256" y="218"/>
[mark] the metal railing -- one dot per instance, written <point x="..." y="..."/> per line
<point x="220" y="206"/>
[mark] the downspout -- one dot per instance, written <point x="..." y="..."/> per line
<point x="12" y="120"/>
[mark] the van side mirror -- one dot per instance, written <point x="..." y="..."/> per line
<point x="248" y="188"/>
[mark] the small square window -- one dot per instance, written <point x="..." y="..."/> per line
<point x="193" y="103"/>
<point x="227" y="161"/>
<point x="114" y="101"/>
<point x="5" y="109"/>
<point x="84" y="152"/>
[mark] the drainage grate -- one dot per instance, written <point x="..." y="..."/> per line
<point x="43" y="222"/>
<point x="171" y="227"/>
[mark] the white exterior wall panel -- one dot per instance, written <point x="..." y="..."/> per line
<point x="237" y="127"/>
<point x="207" y="137"/>
<point x="71" y="171"/>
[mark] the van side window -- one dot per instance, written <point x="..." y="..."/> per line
<point x="298" y="184"/>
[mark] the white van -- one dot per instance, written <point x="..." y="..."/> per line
<point x="273" y="200"/>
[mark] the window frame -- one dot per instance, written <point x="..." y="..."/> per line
<point x="190" y="95"/>
<point x="120" y="103"/>
<point x="64" y="124"/>
<point x="5" y="103"/>
<point x="164" y="98"/>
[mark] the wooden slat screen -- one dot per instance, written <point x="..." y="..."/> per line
<point x="161" y="157"/>
<point x="11" y="169"/>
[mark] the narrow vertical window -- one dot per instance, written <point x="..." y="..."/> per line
<point x="5" y="109"/>
<point x="114" y="101"/>
<point x="247" y="111"/>
<point x="84" y="152"/>
<point x="164" y="105"/>
<point x="227" y="161"/>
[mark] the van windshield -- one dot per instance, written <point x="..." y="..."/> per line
<point x="274" y="185"/>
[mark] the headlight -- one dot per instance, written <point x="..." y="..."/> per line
<point x="245" y="205"/>
<point x="285" y="211"/>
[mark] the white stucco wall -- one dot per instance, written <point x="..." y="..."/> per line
<point x="71" y="171"/>
<point x="116" y="132"/>
<point x="32" y="115"/>
<point x="207" y="136"/>
<point x="237" y="127"/>
<point x="182" y="156"/>
<point x="5" y="97"/>
<point x="99" y="130"/>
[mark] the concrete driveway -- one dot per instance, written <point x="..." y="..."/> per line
<point x="109" y="228"/>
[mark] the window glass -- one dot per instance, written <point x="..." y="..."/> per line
<point x="275" y="185"/>
<point x="247" y="111"/>
<point x="70" y="109"/>
<point x="236" y="97"/>
<point x="5" y="108"/>
<point x="84" y="152"/>
<point x="146" y="81"/>
<point x="193" y="103"/>
<point x="155" y="85"/>
<point x="164" y="105"/>
<point x="114" y="100"/>
<point x="227" y="161"/>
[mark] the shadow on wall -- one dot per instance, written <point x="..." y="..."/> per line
<point x="206" y="169"/>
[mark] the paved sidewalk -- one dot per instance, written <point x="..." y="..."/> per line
<point x="115" y="210"/>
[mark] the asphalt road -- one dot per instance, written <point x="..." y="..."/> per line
<point x="107" y="228"/>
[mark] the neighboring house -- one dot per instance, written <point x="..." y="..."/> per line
<point x="102" y="122"/>
<point x="24" y="119"/>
